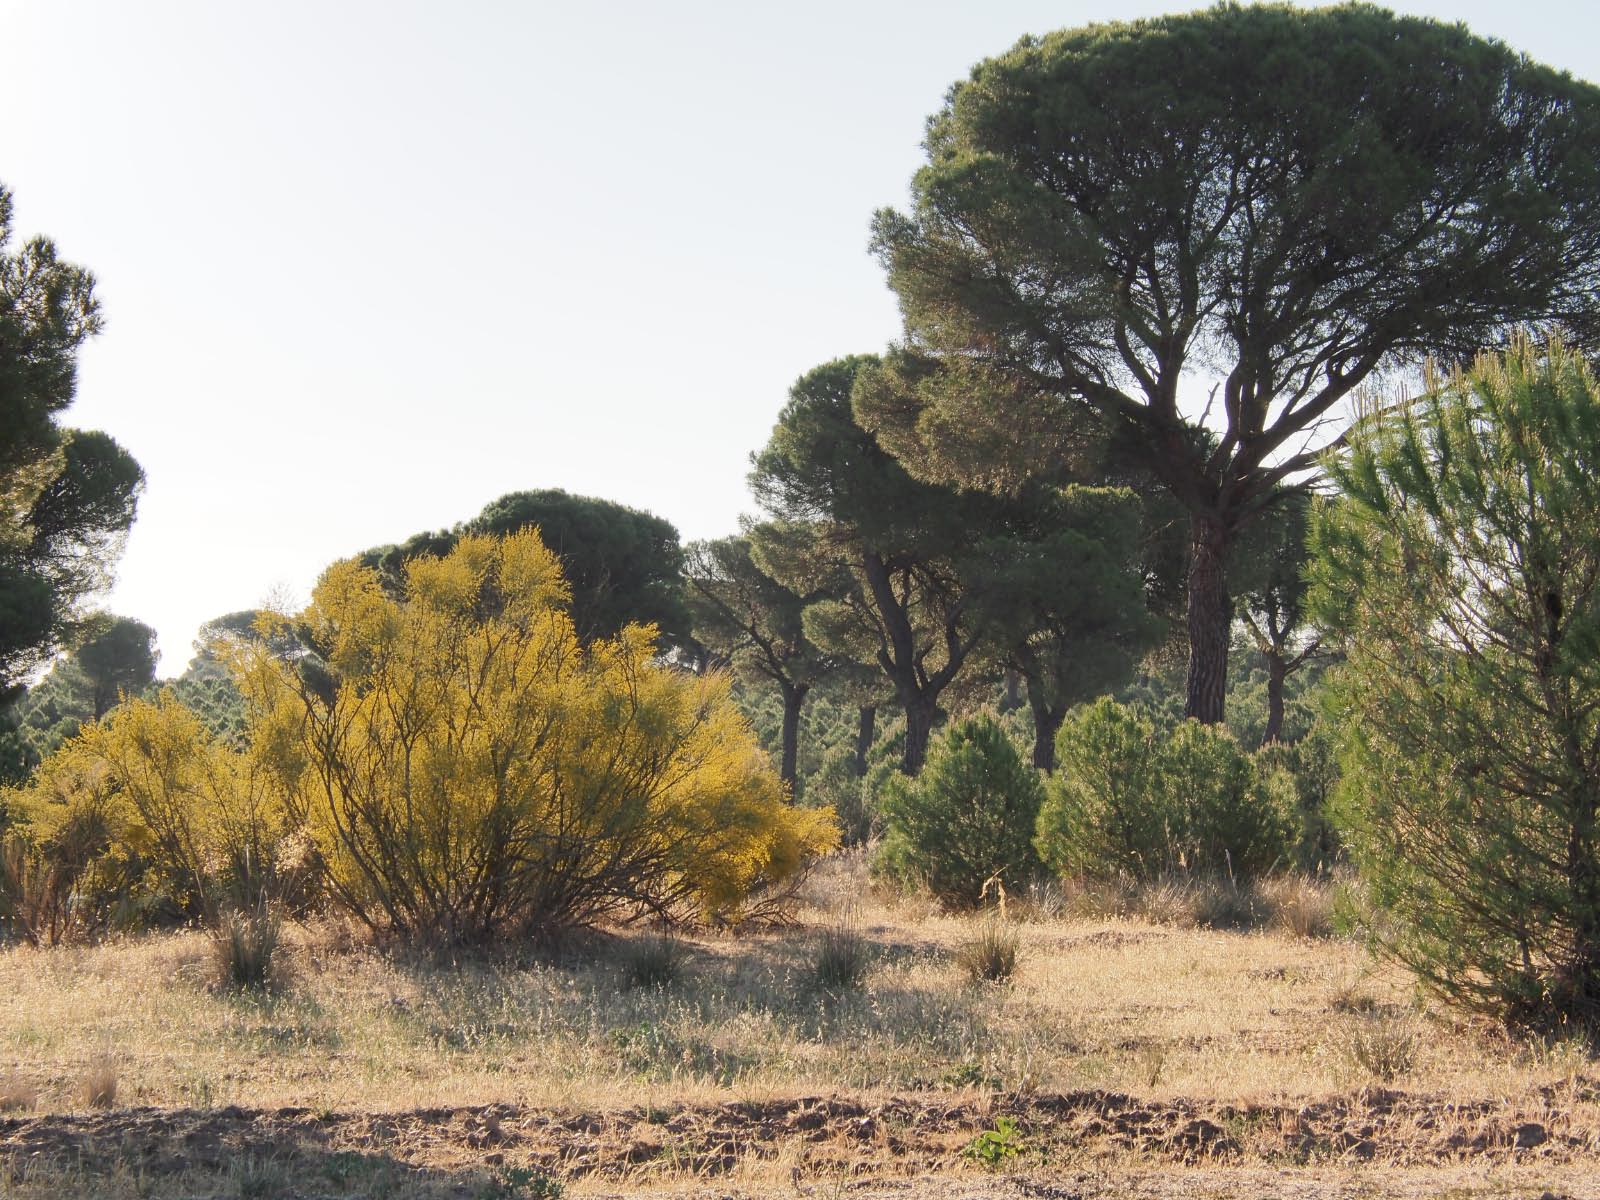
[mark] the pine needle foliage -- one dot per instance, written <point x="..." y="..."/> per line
<point x="963" y="828"/>
<point x="1134" y="800"/>
<point x="1463" y="569"/>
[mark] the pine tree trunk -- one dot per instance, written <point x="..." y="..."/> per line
<point x="920" y="715"/>
<point x="1013" y="692"/>
<point x="1277" y="673"/>
<point x="1583" y="878"/>
<point x="866" y="729"/>
<point x="1046" y="721"/>
<point x="793" y="697"/>
<point x="1210" y="619"/>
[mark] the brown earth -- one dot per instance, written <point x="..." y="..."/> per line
<point x="1078" y="1145"/>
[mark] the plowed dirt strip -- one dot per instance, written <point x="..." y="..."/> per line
<point x="831" y="1137"/>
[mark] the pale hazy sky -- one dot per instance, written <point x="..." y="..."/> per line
<point x="367" y="266"/>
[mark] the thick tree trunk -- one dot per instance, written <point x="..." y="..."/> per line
<point x="1013" y="693"/>
<point x="1046" y="721"/>
<point x="920" y="716"/>
<point x="866" y="729"/>
<point x="1210" y="619"/>
<point x="1277" y="673"/>
<point x="793" y="697"/>
<point x="1583" y="878"/>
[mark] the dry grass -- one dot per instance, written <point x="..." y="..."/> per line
<point x="99" y="1086"/>
<point x="992" y="956"/>
<point x="245" y="949"/>
<point x="1095" y="1002"/>
<point x="17" y="1095"/>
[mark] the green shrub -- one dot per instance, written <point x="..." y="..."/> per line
<point x="1312" y="766"/>
<point x="1128" y="800"/>
<point x="1461" y="571"/>
<point x="965" y="824"/>
<point x="1232" y="820"/>
<point x="836" y="785"/>
<point x="1104" y="814"/>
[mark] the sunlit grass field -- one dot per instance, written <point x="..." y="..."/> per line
<point x="1160" y="1010"/>
<point x="1095" y="1002"/>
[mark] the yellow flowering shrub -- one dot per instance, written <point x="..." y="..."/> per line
<point x="141" y="813"/>
<point x="465" y="770"/>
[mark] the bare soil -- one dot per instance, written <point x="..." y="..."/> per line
<point x="1081" y="1145"/>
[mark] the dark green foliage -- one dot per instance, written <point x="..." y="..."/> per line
<point x="624" y="565"/>
<point x="1134" y="799"/>
<point x="1105" y="812"/>
<point x="896" y="554"/>
<point x="52" y="711"/>
<point x="1462" y="569"/>
<point x="118" y="658"/>
<point x="1310" y="764"/>
<point x="745" y="618"/>
<point x="936" y="586"/>
<point x="1286" y="198"/>
<point x="1271" y="592"/>
<point x="62" y="548"/>
<point x="1231" y="821"/>
<point x="66" y="496"/>
<point x="1064" y="599"/>
<point x="206" y="687"/>
<point x="835" y="784"/>
<point x="964" y="827"/>
<point x="210" y="693"/>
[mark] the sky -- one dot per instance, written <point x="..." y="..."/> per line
<point x="367" y="266"/>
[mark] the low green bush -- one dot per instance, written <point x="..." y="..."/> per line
<point x="1129" y="799"/>
<point x="963" y="828"/>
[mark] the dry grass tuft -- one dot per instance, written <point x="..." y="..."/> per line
<point x="1298" y="905"/>
<point x="1219" y="902"/>
<point x="99" y="1086"/>
<point x="653" y="961"/>
<point x="1379" y="1046"/>
<point x="246" y="945"/>
<point x="841" y="955"/>
<point x="17" y="1094"/>
<point x="992" y="956"/>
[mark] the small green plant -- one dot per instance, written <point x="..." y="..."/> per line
<point x="524" y="1183"/>
<point x="969" y="1075"/>
<point x="841" y="956"/>
<point x="995" y="1147"/>
<point x="992" y="956"/>
<point x="654" y="962"/>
